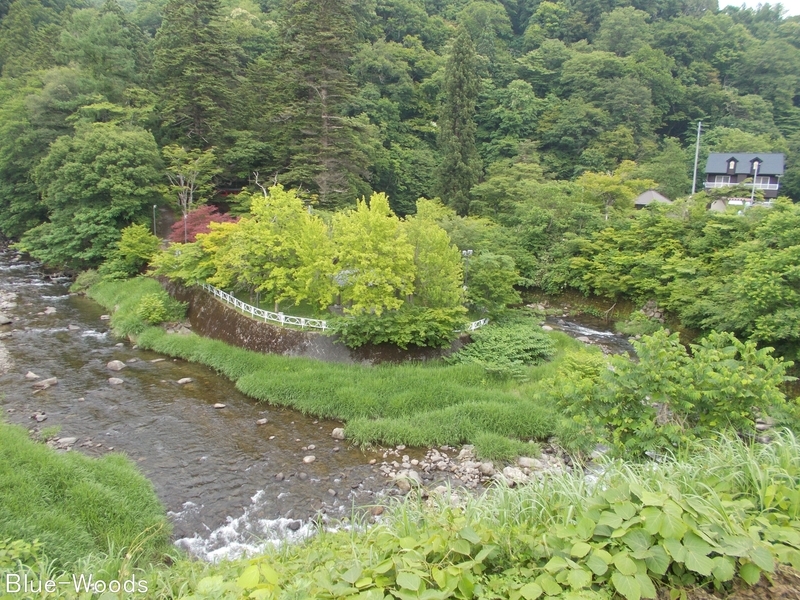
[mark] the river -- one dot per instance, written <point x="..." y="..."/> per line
<point x="230" y="485"/>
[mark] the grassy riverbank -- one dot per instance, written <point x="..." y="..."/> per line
<point x="429" y="404"/>
<point x="74" y="505"/>
<point x="719" y="519"/>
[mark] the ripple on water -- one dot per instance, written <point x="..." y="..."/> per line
<point x="243" y="536"/>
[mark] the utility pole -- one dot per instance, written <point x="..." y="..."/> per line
<point x="755" y="176"/>
<point x="696" y="156"/>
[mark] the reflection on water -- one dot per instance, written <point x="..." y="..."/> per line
<point x="216" y="470"/>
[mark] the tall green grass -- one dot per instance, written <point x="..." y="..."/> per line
<point x="75" y="505"/>
<point x="414" y="404"/>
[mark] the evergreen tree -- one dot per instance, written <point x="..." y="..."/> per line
<point x="461" y="166"/>
<point x="329" y="147"/>
<point x="194" y="72"/>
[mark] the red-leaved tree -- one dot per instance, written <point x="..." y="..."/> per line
<point x="197" y="221"/>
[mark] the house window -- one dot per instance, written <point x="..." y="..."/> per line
<point x="722" y="179"/>
<point x="732" y="165"/>
<point x="756" y="166"/>
<point x="762" y="180"/>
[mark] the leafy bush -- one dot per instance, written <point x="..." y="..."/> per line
<point x="638" y="324"/>
<point x="16" y="552"/>
<point x="669" y="397"/>
<point x="159" y="307"/>
<point x="131" y="254"/>
<point x="124" y="298"/>
<point x="85" y="280"/>
<point x="505" y="349"/>
<point x="490" y="282"/>
<point x="409" y="326"/>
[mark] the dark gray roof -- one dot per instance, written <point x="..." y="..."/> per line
<point x="649" y="196"/>
<point x="771" y="164"/>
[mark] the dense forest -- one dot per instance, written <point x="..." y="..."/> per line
<point x="535" y="122"/>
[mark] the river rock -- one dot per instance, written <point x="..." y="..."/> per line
<point x="158" y="360"/>
<point x="50" y="310"/>
<point x="584" y="339"/>
<point x="294" y="525"/>
<point x="115" y="365"/>
<point x="67" y="441"/>
<point x="73" y="328"/>
<point x="486" y="469"/>
<point x="261" y="422"/>
<point x="338" y="433"/>
<point x="309" y="459"/>
<point x="104" y="317"/>
<point x="547" y="328"/>
<point x="514" y="475"/>
<point x="4" y="320"/>
<point x="219" y="405"/>
<point x="30" y="375"/>
<point x="46" y="383"/>
<point x="527" y="462"/>
<point x="115" y="381"/>
<point x="39" y="417"/>
<point x="185" y="380"/>
<point x="280" y="476"/>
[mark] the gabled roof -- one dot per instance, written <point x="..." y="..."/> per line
<point x="771" y="164"/>
<point x="649" y="196"/>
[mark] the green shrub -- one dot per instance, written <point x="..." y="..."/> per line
<point x="131" y="254"/>
<point x="409" y="326"/>
<point x="668" y="397"/>
<point x="638" y="324"/>
<point x="16" y="552"/>
<point x="505" y="349"/>
<point x="159" y="307"/>
<point x="84" y="281"/>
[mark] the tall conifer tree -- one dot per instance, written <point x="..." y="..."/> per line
<point x="194" y="71"/>
<point x="328" y="153"/>
<point x="461" y="166"/>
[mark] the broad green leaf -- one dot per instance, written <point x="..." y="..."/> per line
<point x="409" y="581"/>
<point x="584" y="529"/>
<point x="579" y="578"/>
<point x="724" y="568"/>
<point x="626" y="510"/>
<point x="531" y="591"/>
<point x="556" y="564"/>
<point x="465" y="586"/>
<point x="469" y="534"/>
<point x="652" y="518"/>
<point x="750" y="573"/>
<point x="270" y="575"/>
<point x="580" y="549"/>
<point x="549" y="585"/>
<point x="384" y="567"/>
<point x="648" y="590"/>
<point x="611" y="519"/>
<point x="249" y="578"/>
<point x="762" y="558"/>
<point x="625" y="564"/>
<point x="627" y="586"/>
<point x="637" y="540"/>
<point x="352" y="574"/>
<point x="461" y="546"/>
<point x="659" y="561"/>
<point x="596" y="564"/>
<point x="675" y="549"/>
<point x="698" y="562"/>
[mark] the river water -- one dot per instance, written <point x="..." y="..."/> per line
<point x="229" y="484"/>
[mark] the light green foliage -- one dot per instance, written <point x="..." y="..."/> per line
<point x="190" y="173"/>
<point x="157" y="308"/>
<point x="437" y="261"/>
<point x="376" y="260"/>
<point x="93" y="184"/>
<point x="133" y="252"/>
<point x="490" y="280"/>
<point x="74" y="505"/>
<point x="669" y="397"/>
<point x="84" y="281"/>
<point x="18" y="552"/>
<point x="408" y="326"/>
<point x="615" y="190"/>
<point x="506" y="349"/>
<point x="186" y="263"/>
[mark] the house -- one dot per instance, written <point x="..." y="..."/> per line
<point x="728" y="169"/>
<point x="649" y="197"/>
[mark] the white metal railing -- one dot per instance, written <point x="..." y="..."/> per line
<point x="759" y="186"/>
<point x="279" y="317"/>
<point x="275" y="317"/>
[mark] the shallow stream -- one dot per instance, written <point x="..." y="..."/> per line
<point x="228" y="482"/>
